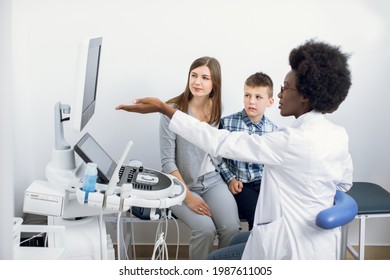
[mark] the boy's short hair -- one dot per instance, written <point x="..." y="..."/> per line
<point x="260" y="79"/>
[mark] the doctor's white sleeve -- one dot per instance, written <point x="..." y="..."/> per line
<point x="232" y="145"/>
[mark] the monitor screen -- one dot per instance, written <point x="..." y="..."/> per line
<point x="85" y="100"/>
<point x="90" y="151"/>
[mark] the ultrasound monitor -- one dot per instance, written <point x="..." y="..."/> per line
<point x="85" y="99"/>
<point x="144" y="179"/>
<point x="90" y="151"/>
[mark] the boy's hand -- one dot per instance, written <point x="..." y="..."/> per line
<point x="235" y="186"/>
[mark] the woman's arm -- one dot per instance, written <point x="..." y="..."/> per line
<point x="197" y="205"/>
<point x="168" y="161"/>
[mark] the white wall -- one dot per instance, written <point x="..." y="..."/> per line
<point x="6" y="132"/>
<point x="148" y="47"/>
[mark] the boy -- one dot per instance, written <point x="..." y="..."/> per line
<point x="244" y="178"/>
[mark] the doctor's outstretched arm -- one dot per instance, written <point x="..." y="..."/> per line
<point x="216" y="142"/>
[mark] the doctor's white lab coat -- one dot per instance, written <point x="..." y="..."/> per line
<point x="304" y="165"/>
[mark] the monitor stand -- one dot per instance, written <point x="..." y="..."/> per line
<point x="62" y="170"/>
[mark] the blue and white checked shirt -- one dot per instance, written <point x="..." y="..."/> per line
<point x="243" y="171"/>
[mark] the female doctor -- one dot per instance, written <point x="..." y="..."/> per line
<point x="304" y="163"/>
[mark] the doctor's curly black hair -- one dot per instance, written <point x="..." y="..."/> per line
<point x="323" y="75"/>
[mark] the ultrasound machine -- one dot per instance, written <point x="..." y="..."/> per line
<point x="119" y="187"/>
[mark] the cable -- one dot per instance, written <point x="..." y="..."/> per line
<point x="160" y="250"/>
<point x="118" y="231"/>
<point x="46" y="240"/>
<point x="169" y="217"/>
<point x="124" y="242"/>
<point x="121" y="238"/>
<point x="32" y="237"/>
<point x="102" y="234"/>
<point x="163" y="252"/>
<point x="177" y="233"/>
<point x="124" y="245"/>
<point x="132" y="234"/>
<point x="35" y="220"/>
